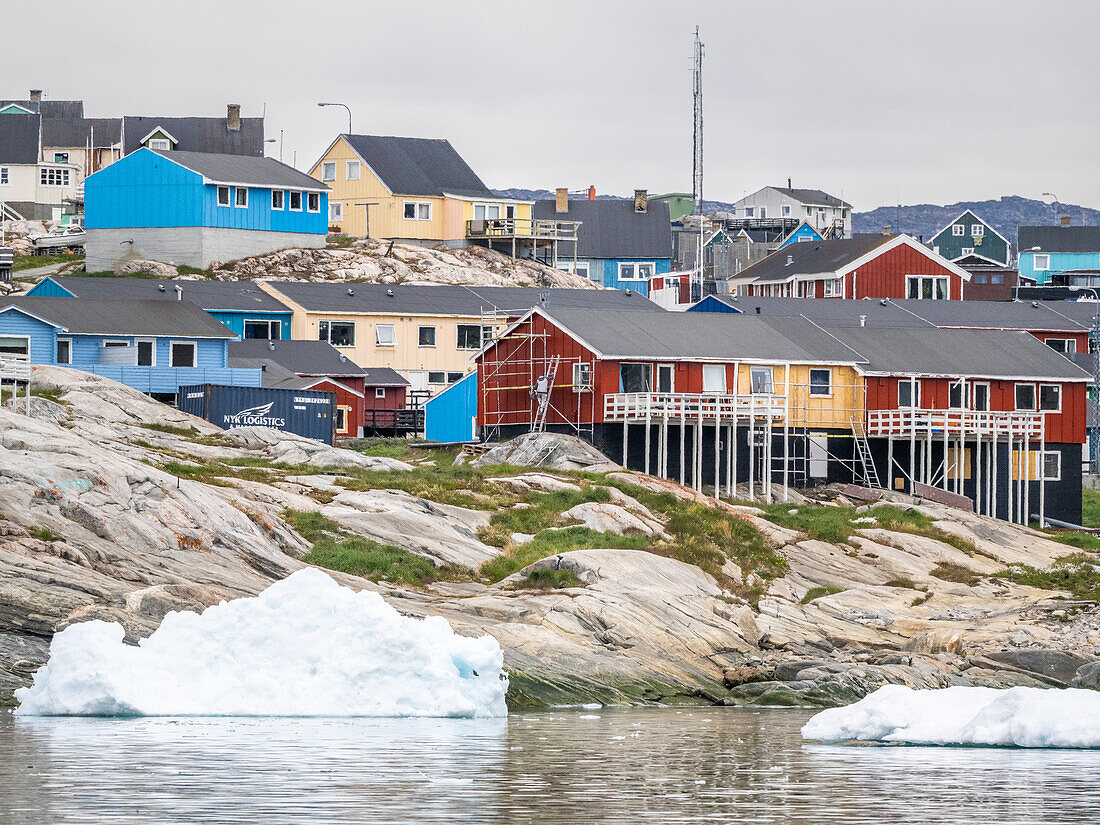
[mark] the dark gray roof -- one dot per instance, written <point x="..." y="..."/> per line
<point x="612" y="229"/>
<point x="814" y="197"/>
<point x="467" y="301"/>
<point x="827" y="310"/>
<point x="1059" y="238"/>
<point x="298" y="357"/>
<point x="76" y="132"/>
<point x="68" y="109"/>
<point x="260" y="171"/>
<point x="210" y="295"/>
<point x="811" y="258"/>
<point x="418" y="166"/>
<point x="120" y="317"/>
<point x="19" y="138"/>
<point x="198" y="134"/>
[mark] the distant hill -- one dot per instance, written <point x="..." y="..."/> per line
<point x="1004" y="214"/>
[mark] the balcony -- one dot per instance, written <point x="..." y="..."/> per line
<point x="14" y="367"/>
<point x="905" y="423"/>
<point x="637" y="407"/>
<point x="522" y="228"/>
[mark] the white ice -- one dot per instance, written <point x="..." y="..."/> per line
<point x="306" y="646"/>
<point x="1021" y="716"/>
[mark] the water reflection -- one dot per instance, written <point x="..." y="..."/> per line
<point x="644" y="765"/>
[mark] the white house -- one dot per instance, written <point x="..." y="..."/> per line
<point x="826" y="213"/>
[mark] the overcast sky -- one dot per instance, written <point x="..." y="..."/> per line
<point x="874" y="101"/>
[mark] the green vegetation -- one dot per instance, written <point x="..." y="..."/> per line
<point x="551" y="542"/>
<point x="955" y="573"/>
<point x="547" y="579"/>
<point x="170" y="429"/>
<point x="384" y="447"/>
<point x="34" y="261"/>
<point x="338" y="241"/>
<point x="901" y="581"/>
<point x="184" y="269"/>
<point x="1082" y="541"/>
<point x="1090" y="508"/>
<point x="44" y="534"/>
<point x="818" y="592"/>
<point x="1078" y="573"/>
<point x="80" y="273"/>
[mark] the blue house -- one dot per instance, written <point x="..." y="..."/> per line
<point x="621" y="244"/>
<point x="247" y="310"/>
<point x="1053" y="254"/>
<point x="152" y="346"/>
<point x="197" y="208"/>
<point x="802" y="233"/>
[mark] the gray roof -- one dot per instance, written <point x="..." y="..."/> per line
<point x="19" y="138"/>
<point x="298" y="357"/>
<point x="1059" y="238"/>
<point x="50" y="108"/>
<point x="612" y="229"/>
<point x="814" y="197"/>
<point x="811" y="258"/>
<point x="210" y="295"/>
<point x="76" y="132"/>
<point x="418" y="166"/>
<point x="120" y="317"/>
<point x="253" y="171"/>
<point x="466" y="301"/>
<point x="198" y="134"/>
<point x="827" y="310"/>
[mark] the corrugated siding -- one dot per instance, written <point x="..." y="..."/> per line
<point x="884" y="276"/>
<point x="169" y="380"/>
<point x="1059" y="262"/>
<point x="450" y="415"/>
<point x="988" y="246"/>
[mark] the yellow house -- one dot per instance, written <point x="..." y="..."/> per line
<point x="417" y="190"/>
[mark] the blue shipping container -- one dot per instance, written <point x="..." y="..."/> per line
<point x="308" y="413"/>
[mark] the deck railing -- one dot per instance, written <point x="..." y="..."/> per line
<point x="170" y="379"/>
<point x="640" y="406"/>
<point x="906" y="422"/>
<point x="543" y="230"/>
<point x="405" y="419"/>
<point x="14" y="367"/>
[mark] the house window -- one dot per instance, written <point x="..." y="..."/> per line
<point x="486" y="211"/>
<point x="4" y="175"/>
<point x="635" y="377"/>
<point x="977" y="231"/>
<point x="908" y="393"/>
<point x="336" y="211"/>
<point x="760" y="381"/>
<point x="1042" y="263"/>
<point x="385" y="335"/>
<point x="981" y="397"/>
<point x="60" y="157"/>
<point x="958" y="230"/>
<point x="337" y="333"/>
<point x="64" y="351"/>
<point x="956" y="392"/>
<point x="996" y="279"/>
<point x="241" y="199"/>
<point x="1025" y="396"/>
<point x="53" y="176"/>
<point x="834" y="287"/>
<point x="425" y="337"/>
<point x="763" y="211"/>
<point x="437" y="378"/>
<point x="750" y="211"/>
<point x="636" y="271"/>
<point x="453" y="376"/>
<point x="341" y="419"/>
<point x="510" y="211"/>
<point x="714" y="378"/>
<point x="379" y="392"/>
<point x="295" y="201"/>
<point x="980" y="279"/>
<point x="264" y="330"/>
<point x="181" y="354"/>
<point x="469" y="336"/>
<point x="666" y="378"/>
<point x="579" y="268"/>
<point x="821" y="382"/>
<point x="146" y="352"/>
<point x="1052" y="466"/>
<point x="313" y="202"/>
<point x="163" y="144"/>
<point x="582" y="377"/>
<point x="277" y="196"/>
<point x="967" y="250"/>
<point x="417" y="211"/>
<point x="1062" y="345"/>
<point x="1050" y="397"/>
<point x="223" y="196"/>
<point x="328" y="171"/>
<point x="351" y="170"/>
<point x="927" y="287"/>
<point x="785" y="210"/>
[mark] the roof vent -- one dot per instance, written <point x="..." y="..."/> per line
<point x="160" y="287"/>
<point x="863" y="320"/>
<point x="1034" y="304"/>
<point x="343" y="358"/>
<point x="179" y="292"/>
<point x="351" y="291"/>
<point x="882" y="301"/>
<point x="790" y="260"/>
<point x="758" y="310"/>
<point x="389" y="293"/>
<point x="271" y="345"/>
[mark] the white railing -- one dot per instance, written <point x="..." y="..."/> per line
<point x="639" y="406"/>
<point x="905" y="422"/>
<point x="15" y="367"/>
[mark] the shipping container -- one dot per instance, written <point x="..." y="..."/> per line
<point x="309" y="413"/>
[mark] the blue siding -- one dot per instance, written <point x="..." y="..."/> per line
<point x="449" y="415"/>
<point x="801" y="235"/>
<point x="43" y="337"/>
<point x="209" y="352"/>
<point x="1059" y="262"/>
<point x="259" y="214"/>
<point x="712" y="304"/>
<point x="234" y="319"/>
<point x="48" y="288"/>
<point x="169" y="380"/>
<point x="611" y="272"/>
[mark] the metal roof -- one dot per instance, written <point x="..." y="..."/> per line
<point x="50" y="108"/>
<point x="76" y="132"/>
<point x="19" y="138"/>
<point x="253" y="171"/>
<point x="811" y="258"/>
<point x="232" y="296"/>
<point x="827" y="310"/>
<point x="812" y="197"/>
<point x="123" y="317"/>
<point x="464" y="301"/>
<point x="418" y="166"/>
<point x="298" y="357"/>
<point x="612" y="229"/>
<point x="198" y="134"/>
<point x="1059" y="238"/>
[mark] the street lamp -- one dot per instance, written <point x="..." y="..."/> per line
<point x="346" y="107"/>
<point x="1053" y="203"/>
<point x="1094" y="436"/>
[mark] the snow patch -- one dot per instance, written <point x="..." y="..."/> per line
<point x="1022" y="716"/>
<point x="306" y="646"/>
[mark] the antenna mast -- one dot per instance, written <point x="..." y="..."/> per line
<point x="697" y="152"/>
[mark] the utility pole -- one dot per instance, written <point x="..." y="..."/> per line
<point x="697" y="152"/>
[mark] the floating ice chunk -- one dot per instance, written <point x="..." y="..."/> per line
<point x="306" y="646"/>
<point x="1021" y="716"/>
<point x="588" y="716"/>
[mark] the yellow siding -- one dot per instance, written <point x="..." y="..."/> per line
<point x="847" y="400"/>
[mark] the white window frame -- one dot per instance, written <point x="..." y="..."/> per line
<point x="1043" y="465"/>
<point x="237" y="190"/>
<point x="442" y="377"/>
<point x="485" y="207"/>
<point x="961" y="384"/>
<point x="328" y="176"/>
<point x="967" y="250"/>
<point x="53" y="176"/>
<point x="1069" y="344"/>
<point x="272" y="324"/>
<point x="1039" y="397"/>
<point x="785" y="210"/>
<point x="834" y="287"/>
<point x="671" y="377"/>
<point x="172" y="353"/>
<point x="161" y="144"/>
<point x="750" y="211"/>
<point x="379" y="392"/>
<point x="771" y="380"/>
<point x="1034" y="397"/>
<point x="326" y="325"/>
<point x="810" y="382"/>
<point x="114" y="342"/>
<point x="60" y="157"/>
<point x="227" y="200"/>
<point x="5" y="175"/>
<point x="378" y="342"/>
<point x="68" y="341"/>
<point x="974" y="395"/>
<point x="281" y="198"/>
<point x="1044" y="266"/>
<point x="453" y="376"/>
<point x="920" y="279"/>
<point x="349" y="165"/>
<point x="914" y="403"/>
<point x="309" y="202"/>
<point x="335" y="211"/>
<point x="290" y="201"/>
<point x="634" y="267"/>
<point x="435" y="335"/>
<point x="958" y="230"/>
<point x="458" y="339"/>
<point x="977" y="230"/>
<point x="580" y="383"/>
<point x="417" y="211"/>
<point x="153" y="348"/>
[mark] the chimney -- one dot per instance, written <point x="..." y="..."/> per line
<point x="790" y="260"/>
<point x="641" y="200"/>
<point x="36" y="94"/>
<point x="863" y="320"/>
<point x="592" y="193"/>
<point x="1065" y="220"/>
<point x="561" y="200"/>
<point x="233" y="117"/>
<point x="886" y="231"/>
<point x="788" y="184"/>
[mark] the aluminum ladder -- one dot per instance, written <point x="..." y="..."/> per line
<point x="539" y="424"/>
<point x="863" y="452"/>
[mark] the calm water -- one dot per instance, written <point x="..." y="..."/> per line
<point x="627" y="766"/>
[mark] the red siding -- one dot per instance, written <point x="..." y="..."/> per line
<point x="884" y="275"/>
<point x="344" y="398"/>
<point x="394" y="398"/>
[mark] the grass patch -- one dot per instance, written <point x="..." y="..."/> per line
<point x="311" y="526"/>
<point x="829" y="524"/>
<point x="955" y="573"/>
<point x="547" y="580"/>
<point x="901" y="581"/>
<point x="551" y="543"/>
<point x="818" y="592"/>
<point x="385" y="448"/>
<point x="170" y="429"/>
<point x="1082" y="541"/>
<point x="1090" y="508"/>
<point x="44" y="534"/>
<point x="184" y="269"/>
<point x="380" y="562"/>
<point x="49" y="394"/>
<point x="1078" y="573"/>
<point x="339" y="241"/>
<point x="34" y="261"/>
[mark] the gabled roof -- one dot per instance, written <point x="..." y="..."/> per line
<point x="461" y="301"/>
<point x="417" y="166"/>
<point x="811" y="197"/>
<point x="68" y="109"/>
<point x="612" y="229"/>
<point x="198" y="134"/>
<point x="298" y="357"/>
<point x="982" y="221"/>
<point x="797" y="229"/>
<point x="75" y="133"/>
<point x="123" y="317"/>
<point x="242" y="169"/>
<point x="19" y="138"/>
<point x="1059" y="238"/>
<point x="231" y="296"/>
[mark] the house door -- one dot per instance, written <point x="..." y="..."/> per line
<point x="418" y="380"/>
<point x="666" y="374"/>
<point x="819" y="456"/>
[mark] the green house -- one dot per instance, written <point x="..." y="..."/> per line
<point x="679" y="204"/>
<point x="969" y="236"/>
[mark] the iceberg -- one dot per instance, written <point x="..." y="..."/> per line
<point x="1022" y="717"/>
<point x="306" y="646"/>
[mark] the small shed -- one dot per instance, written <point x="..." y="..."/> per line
<point x="452" y="414"/>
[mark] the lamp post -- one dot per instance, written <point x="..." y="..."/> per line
<point x="1094" y="436"/>
<point x="346" y="107"/>
<point x="1053" y="203"/>
<point x="272" y="140"/>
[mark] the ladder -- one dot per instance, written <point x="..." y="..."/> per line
<point x="863" y="453"/>
<point x="539" y="424"/>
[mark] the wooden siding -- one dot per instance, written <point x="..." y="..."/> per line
<point x="42" y="337"/>
<point x="885" y="275"/>
<point x="662" y="266"/>
<point x="234" y="319"/>
<point x="353" y="423"/>
<point x="990" y="245"/>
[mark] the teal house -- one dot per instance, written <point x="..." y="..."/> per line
<point x="1055" y="254"/>
<point x="968" y="236"/>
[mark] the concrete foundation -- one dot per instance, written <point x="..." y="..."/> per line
<point x="197" y="246"/>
